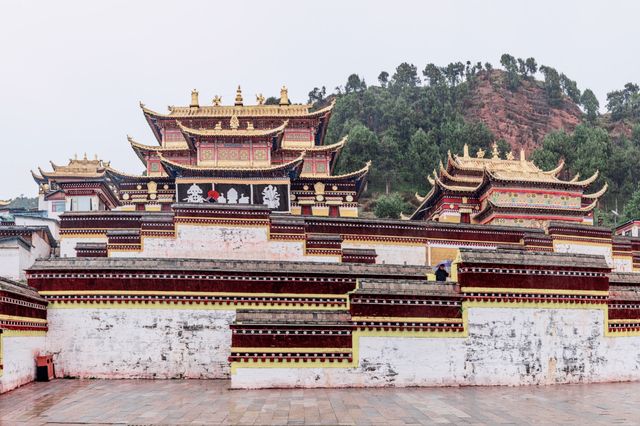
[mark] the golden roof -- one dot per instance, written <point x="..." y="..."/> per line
<point x="520" y="169"/>
<point x="320" y="148"/>
<point x="76" y="168"/>
<point x="233" y="132"/>
<point x="354" y="174"/>
<point x="205" y="111"/>
<point x="143" y="147"/>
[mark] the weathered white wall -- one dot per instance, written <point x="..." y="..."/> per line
<point x="223" y="242"/>
<point x="12" y="256"/>
<point x="505" y="347"/>
<point x="622" y="264"/>
<point x="575" y="247"/>
<point x="140" y="343"/>
<point x="19" y="360"/>
<point x="394" y="254"/>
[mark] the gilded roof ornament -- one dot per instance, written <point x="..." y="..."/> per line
<point x="260" y="99"/>
<point x="480" y="153"/>
<point x="217" y="100"/>
<point x="218" y="126"/>
<point x="495" y="153"/>
<point x="284" y="96"/>
<point x="238" y="101"/>
<point x="250" y="125"/>
<point x="465" y="151"/>
<point x="234" y="123"/>
<point x="523" y="157"/>
<point x="194" y="99"/>
<point x="510" y="156"/>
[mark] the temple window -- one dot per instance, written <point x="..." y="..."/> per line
<point x="81" y="204"/>
<point x="58" y="206"/>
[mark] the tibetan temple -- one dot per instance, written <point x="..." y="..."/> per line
<point x="215" y="263"/>
<point x="509" y="191"/>
<point x="272" y="155"/>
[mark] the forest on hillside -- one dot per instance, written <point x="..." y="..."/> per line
<point x="409" y="119"/>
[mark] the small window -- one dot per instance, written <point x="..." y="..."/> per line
<point x="57" y="206"/>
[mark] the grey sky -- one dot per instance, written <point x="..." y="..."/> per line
<point x="72" y="72"/>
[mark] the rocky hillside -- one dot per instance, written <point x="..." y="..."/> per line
<point x="522" y="118"/>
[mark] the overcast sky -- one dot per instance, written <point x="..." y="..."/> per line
<point x="72" y="72"/>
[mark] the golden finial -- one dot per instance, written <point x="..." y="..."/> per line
<point x="194" y="99"/>
<point x="238" y="97"/>
<point x="480" y="153"/>
<point x="85" y="157"/>
<point x="465" y="151"/>
<point x="522" y="156"/>
<point x="234" y="123"/>
<point x="284" y="96"/>
<point x="260" y="99"/>
<point x="217" y="100"/>
<point x="509" y="155"/>
<point x="495" y="154"/>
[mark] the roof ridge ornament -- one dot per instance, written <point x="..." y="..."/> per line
<point x="238" y="101"/>
<point x="284" y="96"/>
<point x="495" y="153"/>
<point x="217" y="100"/>
<point x="194" y="99"/>
<point x="260" y="99"/>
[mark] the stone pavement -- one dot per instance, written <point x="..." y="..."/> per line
<point x="211" y="402"/>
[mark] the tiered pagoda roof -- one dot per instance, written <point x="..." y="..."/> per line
<point x="470" y="177"/>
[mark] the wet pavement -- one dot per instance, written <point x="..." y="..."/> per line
<point x="211" y="402"/>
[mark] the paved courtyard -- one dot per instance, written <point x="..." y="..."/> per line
<point x="211" y="402"/>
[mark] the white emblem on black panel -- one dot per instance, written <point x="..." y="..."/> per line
<point x="195" y="194"/>
<point x="271" y="197"/>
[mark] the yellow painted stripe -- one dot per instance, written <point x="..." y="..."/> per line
<point x="23" y="333"/>
<point x="534" y="291"/>
<point x="624" y="321"/>
<point x="187" y="293"/>
<point x="27" y="319"/>
<point x="215" y="306"/>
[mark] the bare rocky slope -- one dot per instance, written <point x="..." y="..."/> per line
<point x="522" y="117"/>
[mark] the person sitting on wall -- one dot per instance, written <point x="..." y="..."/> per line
<point x="441" y="273"/>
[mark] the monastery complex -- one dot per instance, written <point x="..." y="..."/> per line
<point x="240" y="254"/>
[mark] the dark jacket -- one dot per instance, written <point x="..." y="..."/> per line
<point x="441" y="275"/>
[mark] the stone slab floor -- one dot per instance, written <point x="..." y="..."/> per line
<point x="211" y="402"/>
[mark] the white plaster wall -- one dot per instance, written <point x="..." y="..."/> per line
<point x="622" y="265"/>
<point x="220" y="242"/>
<point x="53" y="225"/>
<point x="68" y="244"/>
<point x="574" y="247"/>
<point x="140" y="343"/>
<point x="10" y="262"/>
<point x="394" y="254"/>
<point x="41" y="249"/>
<point x="19" y="360"/>
<point x="505" y="347"/>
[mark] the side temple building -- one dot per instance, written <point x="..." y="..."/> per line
<point x="505" y="191"/>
